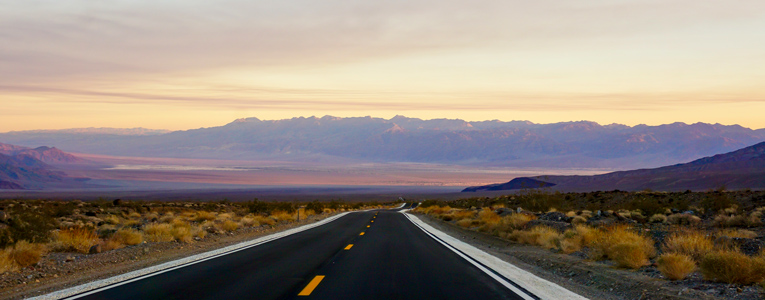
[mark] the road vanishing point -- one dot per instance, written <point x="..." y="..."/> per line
<point x="382" y="254"/>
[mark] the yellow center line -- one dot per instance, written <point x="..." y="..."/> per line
<point x="348" y="247"/>
<point x="373" y="221"/>
<point x="361" y="233"/>
<point x="367" y="226"/>
<point x="311" y="286"/>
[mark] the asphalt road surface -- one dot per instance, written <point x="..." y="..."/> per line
<point x="364" y="255"/>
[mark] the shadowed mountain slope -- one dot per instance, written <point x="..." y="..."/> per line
<point x="741" y="169"/>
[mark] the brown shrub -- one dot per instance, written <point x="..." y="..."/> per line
<point x="204" y="216"/>
<point x="737" y="233"/>
<point x="7" y="264"/>
<point x="732" y="267"/>
<point x="127" y="236"/>
<point x="543" y="236"/>
<point x="78" y="239"/>
<point x="692" y="243"/>
<point x="622" y="245"/>
<point x="517" y="221"/>
<point x="25" y="254"/>
<point x="158" y="232"/>
<point x="675" y="266"/>
<point x="683" y="219"/>
<point x="229" y="225"/>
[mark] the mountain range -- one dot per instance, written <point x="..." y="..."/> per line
<point x="579" y="144"/>
<point x="740" y="169"/>
<point x="23" y="167"/>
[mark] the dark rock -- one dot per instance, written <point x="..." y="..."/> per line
<point x="4" y="217"/>
<point x="90" y="213"/>
<point x="95" y="249"/>
<point x="555" y="216"/>
<point x="117" y="202"/>
<point x="503" y="212"/>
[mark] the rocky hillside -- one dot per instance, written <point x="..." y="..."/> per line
<point x="741" y="169"/>
<point x="49" y="155"/>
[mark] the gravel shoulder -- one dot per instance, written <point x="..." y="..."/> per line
<point x="57" y="271"/>
<point x="594" y="280"/>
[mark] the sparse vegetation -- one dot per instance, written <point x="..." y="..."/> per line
<point x="714" y="233"/>
<point x="31" y="228"/>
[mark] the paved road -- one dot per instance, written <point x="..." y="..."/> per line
<point x="365" y="255"/>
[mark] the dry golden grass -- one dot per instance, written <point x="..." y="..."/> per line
<point x="182" y="234"/>
<point x="517" y="221"/>
<point x="25" y="254"/>
<point x="576" y="238"/>
<point x="133" y="215"/>
<point x="167" y="218"/>
<point x="283" y="216"/>
<point x="158" y="232"/>
<point x="202" y="216"/>
<point x="7" y="264"/>
<point x="675" y="266"/>
<point x="693" y="243"/>
<point x="489" y="220"/>
<point x="543" y="236"/>
<point x="578" y="220"/>
<point x="588" y="234"/>
<point x="265" y="220"/>
<point x="622" y="245"/>
<point x="466" y="223"/>
<point x="127" y="236"/>
<point x="457" y="214"/>
<point x="629" y="255"/>
<point x="109" y="245"/>
<point x="78" y="239"/>
<point x="737" y="233"/>
<point x="112" y="219"/>
<point x="229" y="225"/>
<point x="732" y="267"/>
<point x="249" y="221"/>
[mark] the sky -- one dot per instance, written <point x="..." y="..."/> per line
<point x="189" y="64"/>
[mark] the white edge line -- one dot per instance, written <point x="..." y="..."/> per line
<point x="115" y="281"/>
<point x="540" y="287"/>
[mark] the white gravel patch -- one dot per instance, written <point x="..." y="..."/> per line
<point x="539" y="287"/>
<point x="100" y="285"/>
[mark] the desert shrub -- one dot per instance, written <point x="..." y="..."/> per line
<point x="629" y="255"/>
<point x="578" y="220"/>
<point x="29" y="226"/>
<point x="204" y="216"/>
<point x="7" y="263"/>
<point x="265" y="220"/>
<point x="517" y="221"/>
<point x="182" y="234"/>
<point x="543" y="236"/>
<point x="489" y="219"/>
<point x="458" y="214"/>
<point x="78" y="239"/>
<point x="675" y="266"/>
<point x="315" y="206"/>
<point x="622" y="245"/>
<point x="683" y="219"/>
<point x="465" y="223"/>
<point x="730" y="221"/>
<point x="168" y="217"/>
<point x="283" y="216"/>
<point x="694" y="244"/>
<point x="25" y="254"/>
<point x="658" y="218"/>
<point x="127" y="236"/>
<point x="229" y="225"/>
<point x="158" y="232"/>
<point x="732" y="267"/>
<point x="112" y="219"/>
<point x="250" y="221"/>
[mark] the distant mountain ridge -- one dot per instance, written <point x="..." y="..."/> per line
<point x="580" y="144"/>
<point x="44" y="154"/>
<point x="740" y="169"/>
